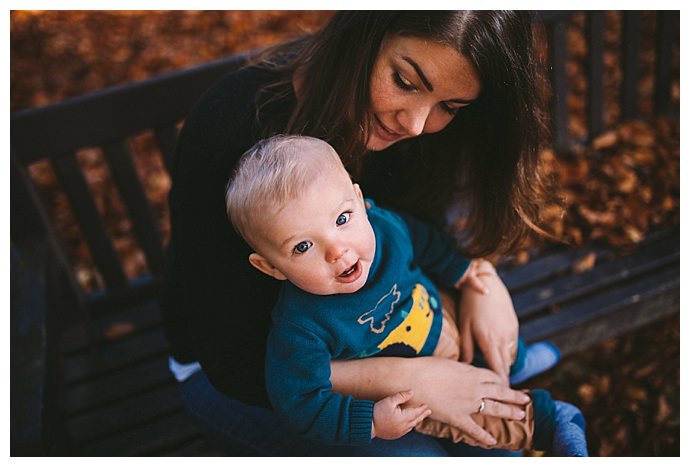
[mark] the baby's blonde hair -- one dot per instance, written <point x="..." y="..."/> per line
<point x="272" y="172"/>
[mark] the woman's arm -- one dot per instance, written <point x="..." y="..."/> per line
<point x="489" y="320"/>
<point x="452" y="390"/>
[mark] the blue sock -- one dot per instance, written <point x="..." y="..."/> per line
<point x="536" y="359"/>
<point x="569" y="434"/>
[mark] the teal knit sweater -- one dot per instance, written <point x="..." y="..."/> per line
<point x="397" y="312"/>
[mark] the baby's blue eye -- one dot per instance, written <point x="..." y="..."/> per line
<point x="302" y="247"/>
<point x="343" y="218"/>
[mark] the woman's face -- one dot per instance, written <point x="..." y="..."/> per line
<point x="416" y="87"/>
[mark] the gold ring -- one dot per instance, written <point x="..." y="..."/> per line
<point x="482" y="406"/>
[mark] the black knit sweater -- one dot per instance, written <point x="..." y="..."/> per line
<point x="216" y="307"/>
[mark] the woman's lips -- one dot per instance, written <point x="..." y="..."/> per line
<point x="352" y="274"/>
<point x="384" y="133"/>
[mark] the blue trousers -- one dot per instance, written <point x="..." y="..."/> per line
<point x="243" y="430"/>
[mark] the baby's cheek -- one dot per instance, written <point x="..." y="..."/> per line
<point x="315" y="281"/>
<point x="371" y="247"/>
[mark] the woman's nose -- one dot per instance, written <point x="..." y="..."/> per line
<point x="414" y="120"/>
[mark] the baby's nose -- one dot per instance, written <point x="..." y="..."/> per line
<point x="335" y="252"/>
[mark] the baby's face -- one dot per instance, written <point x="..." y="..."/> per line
<point x="322" y="241"/>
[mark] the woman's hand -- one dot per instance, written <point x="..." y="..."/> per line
<point x="490" y="321"/>
<point x="471" y="278"/>
<point x="453" y="391"/>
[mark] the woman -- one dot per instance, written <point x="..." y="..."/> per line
<point x="422" y="106"/>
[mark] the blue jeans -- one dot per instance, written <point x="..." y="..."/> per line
<point x="243" y="430"/>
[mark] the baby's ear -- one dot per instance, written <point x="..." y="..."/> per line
<point x="265" y="266"/>
<point x="358" y="190"/>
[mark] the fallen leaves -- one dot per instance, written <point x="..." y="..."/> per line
<point x="628" y="391"/>
<point x="585" y="263"/>
<point x="119" y="330"/>
<point x="59" y="54"/>
<point x="605" y="140"/>
<point x="619" y="188"/>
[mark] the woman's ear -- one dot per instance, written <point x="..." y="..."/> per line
<point x="265" y="266"/>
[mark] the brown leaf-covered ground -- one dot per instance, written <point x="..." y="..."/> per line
<point x="615" y="188"/>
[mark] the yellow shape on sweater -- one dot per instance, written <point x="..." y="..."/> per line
<point x="414" y="329"/>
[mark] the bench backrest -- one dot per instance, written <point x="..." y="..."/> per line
<point x="108" y="118"/>
<point x="105" y="120"/>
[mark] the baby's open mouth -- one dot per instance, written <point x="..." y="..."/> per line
<point x="351" y="274"/>
<point x="350" y="271"/>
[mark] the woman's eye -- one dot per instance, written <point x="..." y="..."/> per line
<point x="343" y="218"/>
<point x="402" y="82"/>
<point x="302" y="247"/>
<point x="449" y="109"/>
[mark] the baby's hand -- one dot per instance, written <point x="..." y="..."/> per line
<point x="391" y="420"/>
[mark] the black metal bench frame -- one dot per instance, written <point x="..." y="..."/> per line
<point x="76" y="391"/>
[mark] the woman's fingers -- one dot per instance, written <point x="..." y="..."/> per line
<point x="509" y="352"/>
<point x="466" y="344"/>
<point x="496" y="360"/>
<point x="501" y="393"/>
<point x="487" y="376"/>
<point x="501" y="410"/>
<point x="477" y="285"/>
<point x="475" y="434"/>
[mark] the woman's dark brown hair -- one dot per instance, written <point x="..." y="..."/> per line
<point x="488" y="154"/>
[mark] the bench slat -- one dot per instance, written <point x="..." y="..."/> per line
<point x="610" y="313"/>
<point x="113" y="356"/>
<point x="549" y="16"/>
<point x="595" y="73"/>
<point x="30" y="220"/>
<point x="608" y="274"/>
<point x="136" y="378"/>
<point x="560" y="261"/>
<point x="666" y="21"/>
<point x="632" y="22"/>
<point x="80" y="198"/>
<point x="150" y="439"/>
<point x="114" y="113"/>
<point x="558" y="57"/>
<point x="127" y="180"/>
<point x="166" y="137"/>
<point x="124" y="415"/>
<point x="542" y="268"/>
<point x="137" y="317"/>
<point x="139" y="289"/>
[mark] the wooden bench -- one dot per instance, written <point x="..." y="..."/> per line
<point x="89" y="371"/>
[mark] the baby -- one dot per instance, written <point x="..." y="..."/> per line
<point x="358" y="284"/>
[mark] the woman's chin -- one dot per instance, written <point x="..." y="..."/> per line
<point x="376" y="144"/>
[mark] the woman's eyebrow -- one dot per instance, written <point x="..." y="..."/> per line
<point x="420" y="73"/>
<point x="428" y="85"/>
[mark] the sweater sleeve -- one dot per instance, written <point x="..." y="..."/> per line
<point x="298" y="383"/>
<point x="435" y="252"/>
